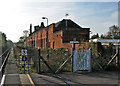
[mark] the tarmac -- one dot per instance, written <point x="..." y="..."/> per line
<point x="77" y="79"/>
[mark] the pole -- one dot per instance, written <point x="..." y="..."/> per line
<point x="24" y="67"/>
<point x="28" y="65"/>
<point x="117" y="50"/>
<point x="27" y="58"/>
<point x="66" y="19"/>
<point x="118" y="59"/>
<point x="39" y="70"/>
<point x="73" y="55"/>
<point x="66" y="24"/>
<point x="47" y="40"/>
<point x="19" y="60"/>
<point x="90" y="65"/>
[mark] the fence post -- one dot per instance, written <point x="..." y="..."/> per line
<point x="90" y="68"/>
<point x="73" y="56"/>
<point x="39" y="61"/>
<point x="118" y="66"/>
<point x="28" y="64"/>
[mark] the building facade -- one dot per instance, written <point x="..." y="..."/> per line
<point x="59" y="35"/>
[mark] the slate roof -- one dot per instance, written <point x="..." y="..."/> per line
<point x="62" y="24"/>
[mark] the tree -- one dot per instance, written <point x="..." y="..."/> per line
<point x="102" y="36"/>
<point x="9" y="43"/>
<point x="25" y="34"/>
<point x="4" y="39"/>
<point x="95" y="36"/>
<point x="113" y="33"/>
<point x="21" y="39"/>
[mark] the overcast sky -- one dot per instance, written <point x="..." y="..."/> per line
<point x="17" y="15"/>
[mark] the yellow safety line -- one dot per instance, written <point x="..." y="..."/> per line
<point x="30" y="80"/>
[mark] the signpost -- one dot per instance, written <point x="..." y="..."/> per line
<point x="24" y="56"/>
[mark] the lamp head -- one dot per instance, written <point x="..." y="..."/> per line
<point x="43" y="17"/>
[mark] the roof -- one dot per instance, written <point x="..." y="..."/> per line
<point x="106" y="40"/>
<point x="62" y="24"/>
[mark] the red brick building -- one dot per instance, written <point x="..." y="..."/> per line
<point x="58" y="35"/>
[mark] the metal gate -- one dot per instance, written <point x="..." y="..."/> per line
<point x="82" y="60"/>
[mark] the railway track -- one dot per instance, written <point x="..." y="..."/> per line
<point x="3" y="60"/>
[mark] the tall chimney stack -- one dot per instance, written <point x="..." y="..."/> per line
<point x="30" y="28"/>
<point x="42" y="25"/>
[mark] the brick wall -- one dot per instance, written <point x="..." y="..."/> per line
<point x="57" y="39"/>
<point x="67" y="46"/>
<point x="50" y="36"/>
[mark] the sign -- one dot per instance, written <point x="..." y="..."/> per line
<point x="74" y="42"/>
<point x="24" y="52"/>
<point x="24" y="58"/>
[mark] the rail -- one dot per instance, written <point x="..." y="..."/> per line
<point x="6" y="57"/>
<point x="2" y="67"/>
<point x="3" y="64"/>
<point x="4" y="52"/>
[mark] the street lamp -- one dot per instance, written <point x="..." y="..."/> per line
<point x="47" y="37"/>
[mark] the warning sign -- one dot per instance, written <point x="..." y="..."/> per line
<point x="24" y="52"/>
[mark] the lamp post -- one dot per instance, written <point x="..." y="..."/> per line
<point x="47" y="37"/>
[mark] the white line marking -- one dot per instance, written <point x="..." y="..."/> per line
<point x="12" y="74"/>
<point x="2" y="81"/>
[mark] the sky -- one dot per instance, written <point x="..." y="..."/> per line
<point x="17" y="15"/>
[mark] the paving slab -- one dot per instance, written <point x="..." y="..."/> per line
<point x="11" y="73"/>
<point x="25" y="80"/>
<point x="11" y="79"/>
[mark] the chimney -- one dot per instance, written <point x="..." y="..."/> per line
<point x="42" y="24"/>
<point x="36" y="27"/>
<point x="30" y="28"/>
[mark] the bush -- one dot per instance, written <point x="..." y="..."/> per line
<point x="56" y="58"/>
<point x="102" y="57"/>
